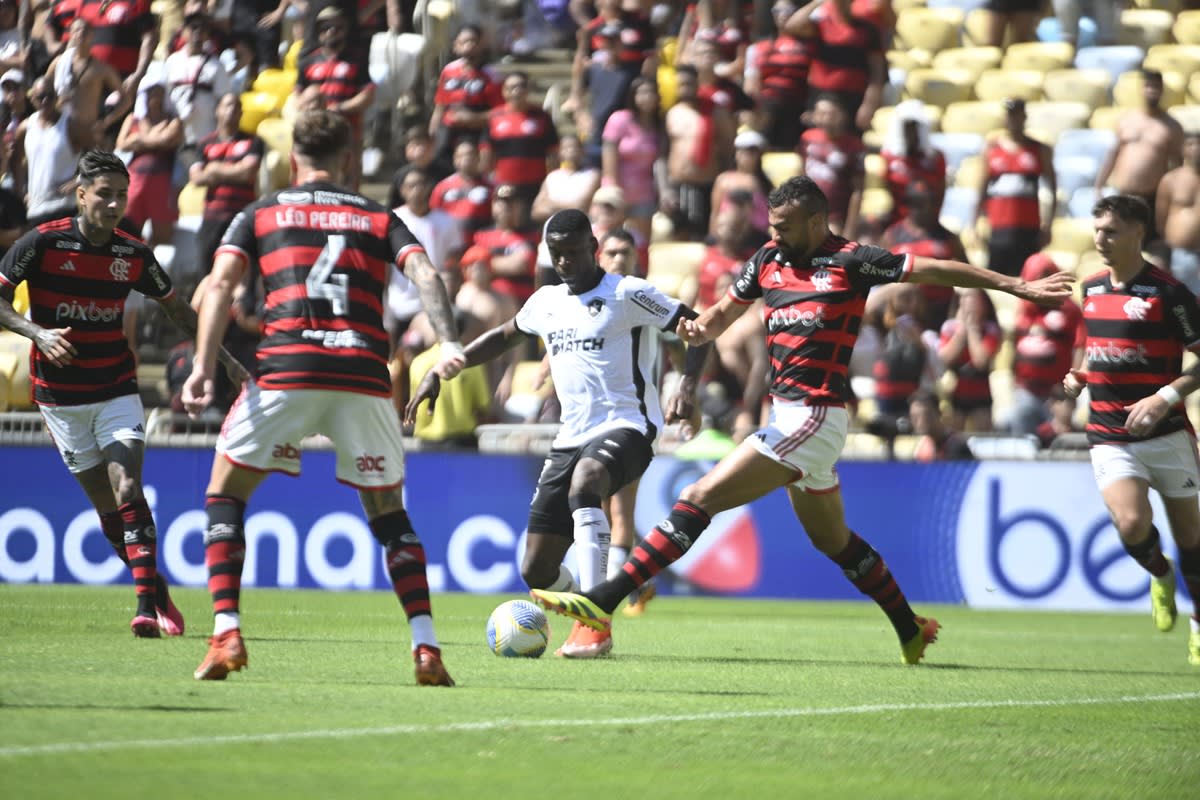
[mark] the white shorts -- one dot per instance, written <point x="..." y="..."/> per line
<point x="1168" y="463"/>
<point x="263" y="431"/>
<point x="809" y="439"/>
<point x="82" y="432"/>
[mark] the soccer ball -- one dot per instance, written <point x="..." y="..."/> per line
<point x="518" y="628"/>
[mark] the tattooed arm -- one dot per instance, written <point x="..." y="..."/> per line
<point x="424" y="275"/>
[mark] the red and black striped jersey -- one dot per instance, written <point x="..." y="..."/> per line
<point x="500" y="242"/>
<point x="464" y="85"/>
<point x="339" y="78"/>
<point x="519" y="142"/>
<point x="1012" y="186"/>
<point x="843" y="46"/>
<point x="324" y="255"/>
<point x="637" y="38"/>
<point x="1136" y="335"/>
<point x="813" y="311"/>
<point x="82" y="286"/>
<point x="783" y="64"/>
<point x="973" y="386"/>
<point x="117" y="30"/>
<point x="226" y="199"/>
<point x="62" y="14"/>
<point x="940" y="243"/>
<point x="468" y="201"/>
<point x="1044" y="342"/>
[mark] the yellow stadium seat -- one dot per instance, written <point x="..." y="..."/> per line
<point x="975" y="28"/>
<point x="275" y="172"/>
<point x="1040" y="56"/>
<point x="900" y="5"/>
<point x="780" y="166"/>
<point x="291" y="59"/>
<point x="1128" y="91"/>
<point x="973" y="117"/>
<point x="191" y="200"/>
<point x="276" y="134"/>
<point x="278" y="82"/>
<point x="876" y="204"/>
<point x="1071" y="235"/>
<point x="926" y="29"/>
<point x="1082" y="85"/>
<point x="1145" y="27"/>
<point x="1000" y="84"/>
<point x="1194" y="88"/>
<point x="257" y="106"/>
<point x="20" y="300"/>
<point x="937" y="87"/>
<point x="668" y="51"/>
<point x="666" y="85"/>
<point x="1051" y="119"/>
<point x="674" y="266"/>
<point x="1181" y="58"/>
<point x="1065" y="260"/>
<point x="1187" y="28"/>
<point x="975" y="60"/>
<point x="1105" y="117"/>
<point x="661" y="228"/>
<point x="970" y="172"/>
<point x="16" y="371"/>
<point x="1090" y="263"/>
<point x="1188" y="116"/>
<point x="876" y="171"/>
<point x="907" y="60"/>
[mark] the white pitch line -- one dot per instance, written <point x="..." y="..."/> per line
<point x="454" y="727"/>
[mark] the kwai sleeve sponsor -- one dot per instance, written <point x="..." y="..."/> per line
<point x="869" y="266"/>
<point x="746" y="289"/>
<point x="18" y="262"/>
<point x="1183" y="316"/>
<point x="154" y="281"/>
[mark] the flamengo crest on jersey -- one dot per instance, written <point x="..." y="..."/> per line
<point x="600" y="356"/>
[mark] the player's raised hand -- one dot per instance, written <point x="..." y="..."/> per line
<point x="428" y="389"/>
<point x="1073" y="382"/>
<point x="1051" y="290"/>
<point x="197" y="393"/>
<point x="691" y="332"/>
<point x="53" y="344"/>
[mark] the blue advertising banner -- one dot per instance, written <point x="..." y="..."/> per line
<point x="990" y="534"/>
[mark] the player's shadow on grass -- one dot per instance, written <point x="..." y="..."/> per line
<point x="91" y="707"/>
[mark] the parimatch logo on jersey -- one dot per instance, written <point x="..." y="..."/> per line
<point x="568" y="340"/>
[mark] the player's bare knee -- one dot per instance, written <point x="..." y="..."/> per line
<point x="590" y="478"/>
<point x="127" y="488"/>
<point x="1132" y="524"/>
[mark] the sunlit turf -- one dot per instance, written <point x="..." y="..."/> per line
<point x="703" y="698"/>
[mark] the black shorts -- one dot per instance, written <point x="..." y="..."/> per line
<point x="1008" y="248"/>
<point x="695" y="204"/>
<point x="624" y="452"/>
<point x="1013" y="6"/>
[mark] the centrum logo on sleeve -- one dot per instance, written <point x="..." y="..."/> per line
<point x="649" y="303"/>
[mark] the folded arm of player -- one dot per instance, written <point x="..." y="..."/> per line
<point x="52" y="342"/>
<point x="1049" y="291"/>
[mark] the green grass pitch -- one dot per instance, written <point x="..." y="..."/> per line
<point x="703" y="698"/>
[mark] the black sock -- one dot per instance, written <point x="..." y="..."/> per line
<point x="1149" y="554"/>
<point x="865" y="568"/>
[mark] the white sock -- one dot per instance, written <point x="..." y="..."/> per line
<point x="591" y="545"/>
<point x="617" y="556"/>
<point x="422" y="631"/>
<point x="226" y="621"/>
<point x="1195" y="624"/>
<point x="565" y="583"/>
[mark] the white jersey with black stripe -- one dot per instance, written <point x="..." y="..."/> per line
<point x="602" y="358"/>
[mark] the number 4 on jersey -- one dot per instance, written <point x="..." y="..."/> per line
<point x="322" y="284"/>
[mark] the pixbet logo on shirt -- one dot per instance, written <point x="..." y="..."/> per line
<point x="1111" y="353"/>
<point x="89" y="313"/>
<point x="810" y="319"/>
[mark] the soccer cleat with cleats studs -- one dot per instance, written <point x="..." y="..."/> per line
<point x="144" y="627"/>
<point x="575" y="606"/>
<point x="1162" y="599"/>
<point x="170" y="621"/>
<point x="429" y="669"/>
<point x="637" y="604"/>
<point x="226" y="654"/>
<point x="585" y="642"/>
<point x="912" y="651"/>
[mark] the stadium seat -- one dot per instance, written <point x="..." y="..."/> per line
<point x="975" y="28"/>
<point x="1090" y="262"/>
<point x="1095" y="144"/>
<point x="20" y="390"/>
<point x="673" y="267"/>
<point x="666" y="85"/>
<point x="1071" y="235"/>
<point x="191" y="200"/>
<point x="780" y="166"/>
<point x="926" y="29"/>
<point x="975" y="60"/>
<point x="1181" y="58"/>
<point x="955" y="147"/>
<point x="1040" y="56"/>
<point x="1051" y="119"/>
<point x="1128" y="91"/>
<point x="1000" y="84"/>
<point x="276" y="134"/>
<point x="1074" y="172"/>
<point x="1065" y="260"/>
<point x="973" y="117"/>
<point x="906" y="60"/>
<point x="876" y="170"/>
<point x="937" y="87"/>
<point x="970" y="172"/>
<point x="1105" y="118"/>
<point x="876" y="204"/>
<point x="1114" y="60"/>
<point x="257" y="106"/>
<point x="958" y="207"/>
<point x="1081" y="202"/>
<point x="1187" y="27"/>
<point x="1145" y="27"/>
<point x="1194" y="88"/>
<point x="279" y="82"/>
<point x="1188" y="116"/>
<point x="1089" y="86"/>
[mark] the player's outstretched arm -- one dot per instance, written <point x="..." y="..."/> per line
<point x="714" y="321"/>
<point x="1049" y="291"/>
<point x="186" y="318"/>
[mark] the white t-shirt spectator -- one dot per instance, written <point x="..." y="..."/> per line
<point x="440" y="235"/>
<point x="194" y="84"/>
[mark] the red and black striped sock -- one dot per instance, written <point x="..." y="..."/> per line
<point x="664" y="545"/>
<point x="1149" y="554"/>
<point x="405" y="561"/>
<point x="224" y="551"/>
<point x="1189" y="570"/>
<point x="866" y="569"/>
<point x="114" y="531"/>
<point x="141" y="553"/>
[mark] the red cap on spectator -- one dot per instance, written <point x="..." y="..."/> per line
<point x="1038" y="265"/>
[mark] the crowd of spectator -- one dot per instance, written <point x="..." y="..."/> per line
<point x="674" y="122"/>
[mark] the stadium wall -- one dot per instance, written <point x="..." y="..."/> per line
<point x="987" y="534"/>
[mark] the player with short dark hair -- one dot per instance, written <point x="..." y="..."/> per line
<point x="324" y="254"/>
<point x="600" y="357"/>
<point x="814" y="287"/>
<point x="80" y="271"/>
<point x="1139" y="321"/>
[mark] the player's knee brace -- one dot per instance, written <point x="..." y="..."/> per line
<point x="225" y="519"/>
<point x="394" y="529"/>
